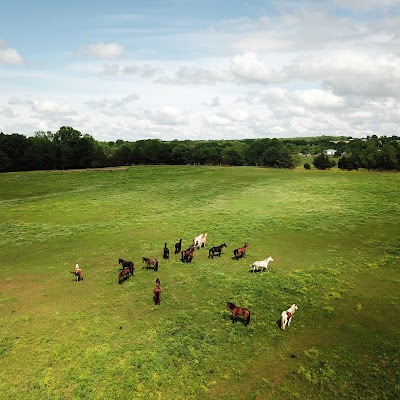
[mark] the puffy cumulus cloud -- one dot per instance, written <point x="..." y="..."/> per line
<point x="102" y="51"/>
<point x="8" y="112"/>
<point x="214" y="102"/>
<point x="193" y="75"/>
<point x="10" y="56"/>
<point x="51" y="107"/>
<point x="250" y="67"/>
<point x="318" y="99"/>
<point x="14" y="101"/>
<point x="167" y="115"/>
<point x="351" y="73"/>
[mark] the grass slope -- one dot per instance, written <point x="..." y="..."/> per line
<point x="334" y="237"/>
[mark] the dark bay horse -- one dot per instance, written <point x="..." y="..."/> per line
<point x="166" y="252"/>
<point x="240" y="252"/>
<point x="127" y="265"/>
<point x="157" y="293"/>
<point x="216" y="250"/>
<point x="241" y="311"/>
<point x="178" y="247"/>
<point x="187" y="255"/>
<point x="150" y="262"/>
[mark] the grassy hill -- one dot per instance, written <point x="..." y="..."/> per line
<point x="334" y="237"/>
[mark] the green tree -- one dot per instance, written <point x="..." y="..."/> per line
<point x="322" y="161"/>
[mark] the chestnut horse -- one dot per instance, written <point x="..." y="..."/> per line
<point x="150" y="262"/>
<point x="240" y="252"/>
<point x="157" y="293"/>
<point x="242" y="311"/>
<point x="187" y="255"/>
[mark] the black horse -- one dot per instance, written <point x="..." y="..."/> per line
<point x="178" y="247"/>
<point x="216" y="250"/>
<point x="166" y="252"/>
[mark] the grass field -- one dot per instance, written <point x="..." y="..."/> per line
<point x="335" y="239"/>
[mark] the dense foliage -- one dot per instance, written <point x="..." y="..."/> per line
<point x="69" y="148"/>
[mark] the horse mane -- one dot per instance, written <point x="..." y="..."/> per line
<point x="231" y="304"/>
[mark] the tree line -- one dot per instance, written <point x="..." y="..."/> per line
<point x="70" y="149"/>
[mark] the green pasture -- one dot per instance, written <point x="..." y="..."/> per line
<point x="335" y="239"/>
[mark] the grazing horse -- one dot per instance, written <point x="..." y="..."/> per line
<point x="216" y="250"/>
<point x="187" y="255"/>
<point x="149" y="262"/>
<point x="166" y="252"/>
<point x="240" y="252"/>
<point x="157" y="293"/>
<point x="261" y="265"/>
<point x="78" y="274"/>
<point x="127" y="265"/>
<point x="178" y="247"/>
<point x="123" y="275"/>
<point x="244" y="312"/>
<point x="197" y="241"/>
<point x="287" y="315"/>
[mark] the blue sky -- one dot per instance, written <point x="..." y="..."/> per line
<point x="183" y="69"/>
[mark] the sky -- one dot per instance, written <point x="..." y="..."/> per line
<point x="200" y="70"/>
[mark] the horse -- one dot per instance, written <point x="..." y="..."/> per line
<point x="166" y="252"/>
<point x="197" y="240"/>
<point x="261" y="265"/>
<point x="244" y="312"/>
<point x="178" y="247"/>
<point x="123" y="275"/>
<point x="216" y="250"/>
<point x="287" y="315"/>
<point x="203" y="240"/>
<point x="78" y="274"/>
<point x="149" y="262"/>
<point x="157" y="293"/>
<point x="240" y="252"/>
<point x="187" y="255"/>
<point x="127" y="265"/>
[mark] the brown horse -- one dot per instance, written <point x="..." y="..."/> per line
<point x="127" y="265"/>
<point x="78" y="274"/>
<point x="240" y="252"/>
<point x="123" y="275"/>
<point x="157" y="293"/>
<point x="150" y="262"/>
<point x="187" y="255"/>
<point x="242" y="311"/>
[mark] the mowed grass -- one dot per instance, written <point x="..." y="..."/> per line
<point x="334" y="237"/>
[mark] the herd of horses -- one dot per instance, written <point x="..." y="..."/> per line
<point x="127" y="269"/>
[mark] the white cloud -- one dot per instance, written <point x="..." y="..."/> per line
<point x="10" y="56"/>
<point x="249" y="67"/>
<point x="167" y="115"/>
<point x="102" y="51"/>
<point x="8" y="112"/>
<point x="51" y="107"/>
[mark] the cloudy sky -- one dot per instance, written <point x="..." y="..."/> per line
<point x="191" y="69"/>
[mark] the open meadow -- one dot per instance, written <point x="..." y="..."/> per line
<point x="335" y="240"/>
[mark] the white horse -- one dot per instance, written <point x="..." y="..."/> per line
<point x="203" y="240"/>
<point x="287" y="316"/>
<point x="261" y="265"/>
<point x="197" y="240"/>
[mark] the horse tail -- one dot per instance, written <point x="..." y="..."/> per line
<point x="235" y="252"/>
<point x="248" y="318"/>
<point x="209" y="253"/>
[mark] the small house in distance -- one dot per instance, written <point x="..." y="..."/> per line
<point x="330" y="152"/>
